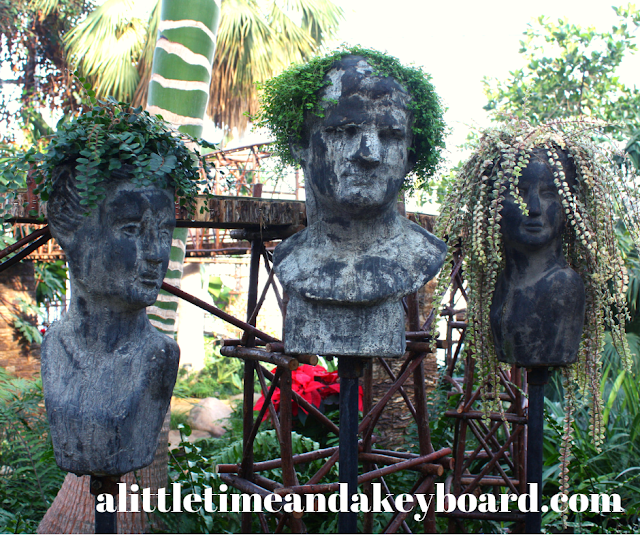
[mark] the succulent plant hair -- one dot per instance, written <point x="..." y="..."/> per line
<point x="470" y="222"/>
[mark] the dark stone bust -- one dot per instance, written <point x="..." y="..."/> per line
<point x="538" y="307"/>
<point x="107" y="373"/>
<point x="348" y="270"/>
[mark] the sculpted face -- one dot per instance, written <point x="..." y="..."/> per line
<point x="359" y="152"/>
<point x="545" y="221"/>
<point x="124" y="250"/>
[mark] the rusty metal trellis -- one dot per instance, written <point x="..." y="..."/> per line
<point x="245" y="475"/>
<point x="489" y="454"/>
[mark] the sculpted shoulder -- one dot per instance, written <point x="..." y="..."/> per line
<point x="563" y="284"/>
<point x="387" y="270"/>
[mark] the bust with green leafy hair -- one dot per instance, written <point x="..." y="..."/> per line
<point x="348" y="270"/>
<point x="110" y="178"/>
<point x="532" y="214"/>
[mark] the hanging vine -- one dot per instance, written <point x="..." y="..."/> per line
<point x="603" y="191"/>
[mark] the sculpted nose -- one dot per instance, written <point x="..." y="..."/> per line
<point x="152" y="247"/>
<point x="533" y="204"/>
<point x="368" y="152"/>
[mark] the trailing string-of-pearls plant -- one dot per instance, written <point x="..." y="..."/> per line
<point x="470" y="222"/>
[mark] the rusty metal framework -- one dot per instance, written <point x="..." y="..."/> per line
<point x="240" y="170"/>
<point x="489" y="451"/>
<point x="245" y="476"/>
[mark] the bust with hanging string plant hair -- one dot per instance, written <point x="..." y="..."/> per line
<point x="540" y="195"/>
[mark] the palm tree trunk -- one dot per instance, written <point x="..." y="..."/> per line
<point x="178" y="90"/>
<point x="181" y="72"/>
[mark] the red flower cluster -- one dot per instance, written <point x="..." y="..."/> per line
<point x="313" y="383"/>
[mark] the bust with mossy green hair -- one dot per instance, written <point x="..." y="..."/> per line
<point x="359" y="132"/>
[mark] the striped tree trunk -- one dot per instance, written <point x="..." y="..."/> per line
<point x="181" y="72"/>
<point x="178" y="90"/>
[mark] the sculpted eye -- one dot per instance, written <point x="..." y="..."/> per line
<point x="392" y="133"/>
<point x="351" y="130"/>
<point x="132" y="230"/>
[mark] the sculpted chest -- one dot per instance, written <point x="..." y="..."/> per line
<point x="538" y="323"/>
<point x="105" y="412"/>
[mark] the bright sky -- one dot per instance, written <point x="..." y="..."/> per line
<point x="461" y="41"/>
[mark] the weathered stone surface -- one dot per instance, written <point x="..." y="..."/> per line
<point x="209" y="415"/>
<point x="348" y="270"/>
<point x="107" y="373"/>
<point x="537" y="311"/>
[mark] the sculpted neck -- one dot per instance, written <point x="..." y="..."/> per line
<point x="524" y="263"/>
<point x="357" y="233"/>
<point x="99" y="325"/>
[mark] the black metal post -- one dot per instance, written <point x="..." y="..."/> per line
<point x="537" y="377"/>
<point x="249" y="368"/>
<point x="105" y="522"/>
<point x="349" y="369"/>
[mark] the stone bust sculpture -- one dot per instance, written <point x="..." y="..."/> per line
<point x="107" y="373"/>
<point x="348" y="270"/>
<point x="538" y="307"/>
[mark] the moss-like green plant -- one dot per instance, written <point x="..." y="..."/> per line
<point x="470" y="222"/>
<point x="286" y="99"/>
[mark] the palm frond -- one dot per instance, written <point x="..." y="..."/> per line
<point x="106" y="46"/>
<point x="320" y="18"/>
<point x="44" y="6"/>
<point x="146" y="57"/>
<point x="256" y="40"/>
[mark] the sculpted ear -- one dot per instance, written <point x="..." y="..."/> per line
<point x="64" y="211"/>
<point x="299" y="152"/>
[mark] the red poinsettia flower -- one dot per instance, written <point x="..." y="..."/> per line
<point x="313" y="383"/>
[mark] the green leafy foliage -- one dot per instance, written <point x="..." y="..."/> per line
<point x="113" y="136"/>
<point x="221" y="376"/>
<point x="220" y="293"/>
<point x="470" y="220"/>
<point x="51" y="282"/>
<point x="14" y="166"/>
<point x="32" y="32"/>
<point x="29" y="476"/>
<point x="289" y="97"/>
<point x="193" y="466"/>
<point x="24" y="320"/>
<point x="570" y="72"/>
<point x="612" y="468"/>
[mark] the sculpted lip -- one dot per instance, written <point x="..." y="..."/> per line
<point x="149" y="278"/>
<point x="533" y="226"/>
